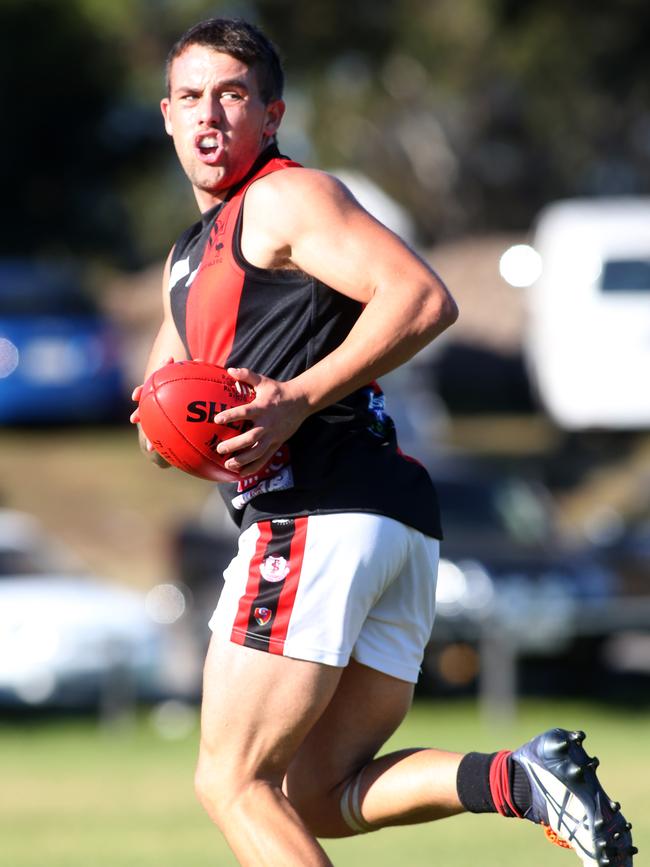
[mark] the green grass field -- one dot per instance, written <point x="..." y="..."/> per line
<point x="74" y="794"/>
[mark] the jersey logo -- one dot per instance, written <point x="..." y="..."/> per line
<point x="262" y="615"/>
<point x="213" y="253"/>
<point x="381" y="424"/>
<point x="274" y="569"/>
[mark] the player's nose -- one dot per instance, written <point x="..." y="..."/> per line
<point x="210" y="110"/>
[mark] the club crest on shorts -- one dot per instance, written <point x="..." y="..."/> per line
<point x="262" y="615"/>
<point x="274" y="569"/>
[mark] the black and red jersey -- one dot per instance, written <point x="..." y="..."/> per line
<point x="279" y="323"/>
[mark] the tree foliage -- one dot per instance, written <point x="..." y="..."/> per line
<point x="59" y="80"/>
<point x="473" y="113"/>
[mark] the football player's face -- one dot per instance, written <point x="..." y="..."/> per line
<point x="217" y="119"/>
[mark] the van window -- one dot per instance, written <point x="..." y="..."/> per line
<point x="626" y="275"/>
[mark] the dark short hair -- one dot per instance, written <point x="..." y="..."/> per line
<point x="240" y="40"/>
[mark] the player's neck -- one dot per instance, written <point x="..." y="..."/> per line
<point x="207" y="199"/>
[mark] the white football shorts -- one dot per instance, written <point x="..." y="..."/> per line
<point x="327" y="587"/>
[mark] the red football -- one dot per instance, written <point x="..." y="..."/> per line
<point x="177" y="407"/>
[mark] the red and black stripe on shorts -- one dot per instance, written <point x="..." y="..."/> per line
<point x="264" y="610"/>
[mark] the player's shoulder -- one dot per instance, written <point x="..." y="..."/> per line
<point x="297" y="186"/>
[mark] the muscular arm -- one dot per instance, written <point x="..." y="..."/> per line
<point x="317" y="226"/>
<point x="324" y="232"/>
<point x="166" y="345"/>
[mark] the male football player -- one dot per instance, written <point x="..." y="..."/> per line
<point x="320" y="630"/>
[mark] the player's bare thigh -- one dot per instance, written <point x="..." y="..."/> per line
<point x="257" y="709"/>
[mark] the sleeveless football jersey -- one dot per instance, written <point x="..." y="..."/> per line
<point x="279" y="323"/>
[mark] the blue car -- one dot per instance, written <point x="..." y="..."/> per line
<point x="59" y="355"/>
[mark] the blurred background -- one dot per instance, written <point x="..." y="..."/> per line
<point x="509" y="143"/>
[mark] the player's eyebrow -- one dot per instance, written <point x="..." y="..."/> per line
<point x="226" y="84"/>
<point x="239" y="83"/>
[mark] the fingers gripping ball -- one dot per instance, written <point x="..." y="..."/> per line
<point x="177" y="407"/>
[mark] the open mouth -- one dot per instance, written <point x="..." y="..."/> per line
<point x="208" y="148"/>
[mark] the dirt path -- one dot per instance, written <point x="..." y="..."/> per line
<point x="94" y="491"/>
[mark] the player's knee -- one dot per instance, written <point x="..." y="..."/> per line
<point x="314" y="801"/>
<point x="303" y="804"/>
<point x="216" y="786"/>
<point x="329" y="811"/>
<point x="224" y="782"/>
<point x="204" y="787"/>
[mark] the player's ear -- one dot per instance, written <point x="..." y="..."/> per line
<point x="274" y="113"/>
<point x="164" y="107"/>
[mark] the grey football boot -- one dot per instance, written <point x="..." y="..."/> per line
<point x="568" y="800"/>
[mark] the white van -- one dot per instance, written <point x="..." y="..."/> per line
<point x="588" y="314"/>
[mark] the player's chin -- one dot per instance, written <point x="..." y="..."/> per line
<point x="208" y="179"/>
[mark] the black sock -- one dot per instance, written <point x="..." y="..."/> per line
<point x="473" y="784"/>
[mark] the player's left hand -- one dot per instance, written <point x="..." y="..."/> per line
<point x="134" y="418"/>
<point x="274" y="415"/>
